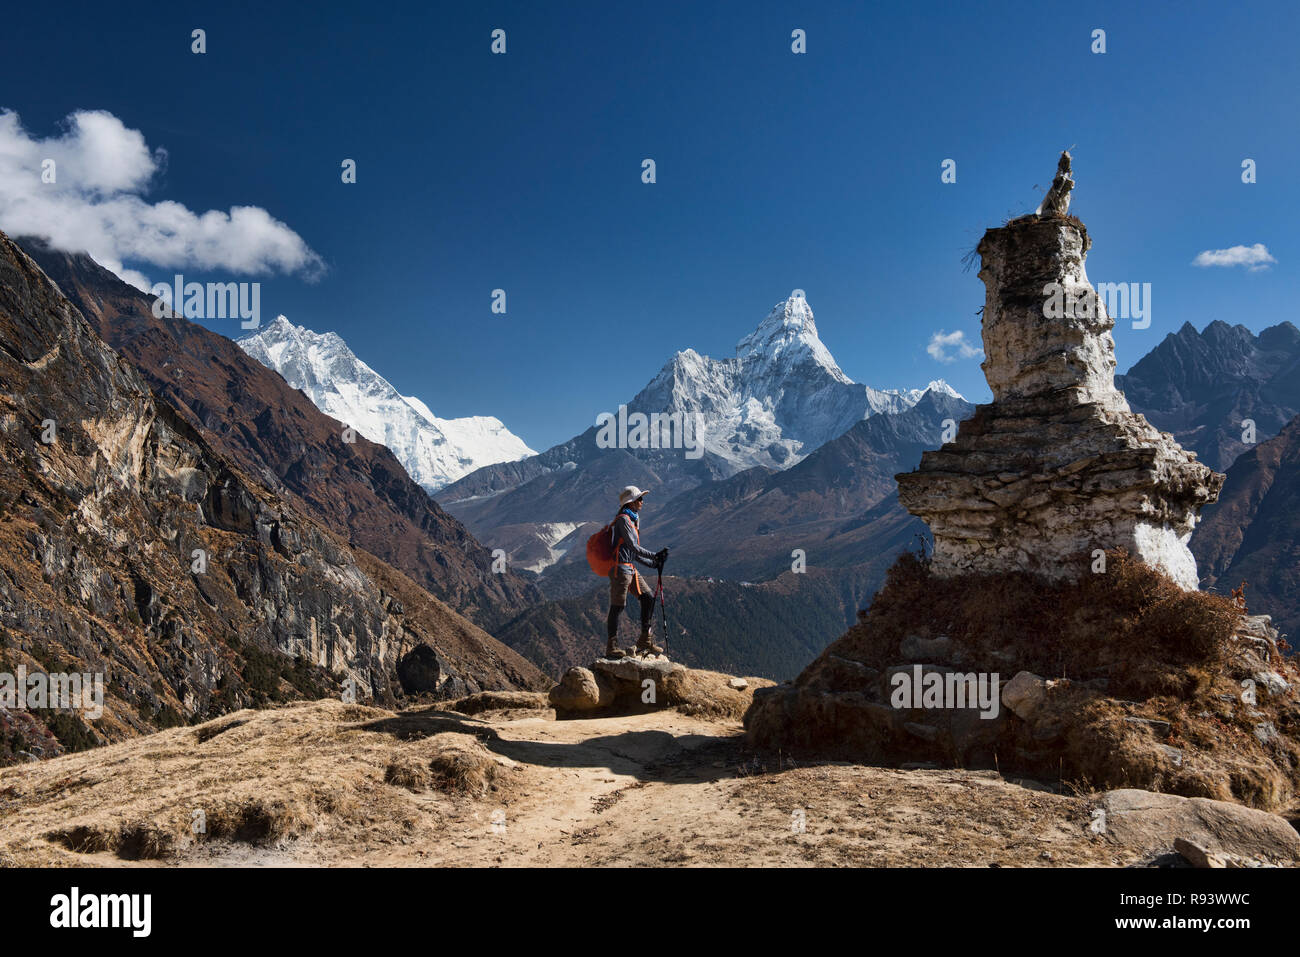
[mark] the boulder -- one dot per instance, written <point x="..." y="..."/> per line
<point x="1153" y="822"/>
<point x="612" y="686"/>
<point x="1023" y="694"/>
<point x="579" y="690"/>
<point x="634" y="670"/>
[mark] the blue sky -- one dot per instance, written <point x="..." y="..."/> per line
<point x="775" y="171"/>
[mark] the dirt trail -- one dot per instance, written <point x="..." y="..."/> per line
<point x="656" y="789"/>
<point x="666" y="789"/>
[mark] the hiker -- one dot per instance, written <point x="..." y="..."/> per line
<point x="625" y="542"/>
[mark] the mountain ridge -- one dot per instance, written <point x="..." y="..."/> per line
<point x="277" y="435"/>
<point x="1202" y="386"/>
<point x="130" y="547"/>
<point x="434" y="451"/>
<point x="1252" y="533"/>
<point x="771" y="406"/>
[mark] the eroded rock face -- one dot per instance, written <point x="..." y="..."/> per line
<point x="1057" y="466"/>
<point x="130" y="548"/>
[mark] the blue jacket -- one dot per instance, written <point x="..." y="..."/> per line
<point x="626" y="539"/>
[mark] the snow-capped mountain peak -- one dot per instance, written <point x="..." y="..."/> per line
<point x="781" y="397"/>
<point x="434" y="451"/>
<point x="937" y="386"/>
<point x="788" y="336"/>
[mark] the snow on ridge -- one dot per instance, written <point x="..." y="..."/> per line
<point x="434" y="451"/>
<point x="782" y="396"/>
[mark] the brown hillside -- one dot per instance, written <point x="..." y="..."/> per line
<point x="251" y="415"/>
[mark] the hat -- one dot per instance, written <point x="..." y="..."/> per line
<point x="630" y="494"/>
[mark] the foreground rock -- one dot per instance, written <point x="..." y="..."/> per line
<point x="1207" y="833"/>
<point x="1057" y="466"/>
<point x="638" y="685"/>
<point x="621" y="686"/>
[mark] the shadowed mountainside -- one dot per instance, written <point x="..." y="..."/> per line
<point x="273" y="432"/>
<point x="130" y="547"/>
<point x="1252" y="533"/>
<point x="1202" y="385"/>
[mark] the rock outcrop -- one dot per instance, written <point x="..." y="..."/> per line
<point x="131" y="548"/>
<point x="1058" y="465"/>
<point x="1205" y="832"/>
<point x="627" y="686"/>
<point x="267" y="429"/>
<point x="612" y="686"/>
<point x="1110" y="681"/>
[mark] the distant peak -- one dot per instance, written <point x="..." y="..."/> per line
<point x="282" y="329"/>
<point x="1282" y="336"/>
<point x="279" y="328"/>
<point x="943" y="388"/>
<point x="788" y="333"/>
<point x="790" y="319"/>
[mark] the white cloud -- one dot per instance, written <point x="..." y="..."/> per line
<point x="96" y="204"/>
<point x="951" y="346"/>
<point x="1254" y="257"/>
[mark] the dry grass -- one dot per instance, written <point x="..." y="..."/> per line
<point x="1129" y="645"/>
<point x="486" y="701"/>
<point x="1130" y="625"/>
<point x="707" y="694"/>
<point x="256" y="778"/>
<point x="460" y="765"/>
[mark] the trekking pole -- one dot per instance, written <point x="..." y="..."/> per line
<point x="663" y="611"/>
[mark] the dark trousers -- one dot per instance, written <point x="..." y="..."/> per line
<point x="622" y="581"/>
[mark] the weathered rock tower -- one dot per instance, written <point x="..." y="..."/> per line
<point x="1057" y="465"/>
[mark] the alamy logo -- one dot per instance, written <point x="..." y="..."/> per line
<point x="213" y="300"/>
<point x="21" y="691"/>
<point x="1121" y="300"/>
<point x="938" y="689"/>
<point x="74" y="910"/>
<point x="658" y="430"/>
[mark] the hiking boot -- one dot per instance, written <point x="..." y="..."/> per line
<point x="613" y="653"/>
<point x="646" y="644"/>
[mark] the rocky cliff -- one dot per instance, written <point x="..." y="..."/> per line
<point x="254" y="419"/>
<point x="1252" y="533"/>
<point x="131" y="548"/>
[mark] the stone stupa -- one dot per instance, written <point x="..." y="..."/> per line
<point x="1057" y="466"/>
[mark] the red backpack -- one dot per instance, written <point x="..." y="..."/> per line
<point x="600" y="551"/>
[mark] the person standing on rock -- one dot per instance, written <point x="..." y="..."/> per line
<point x="625" y="541"/>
